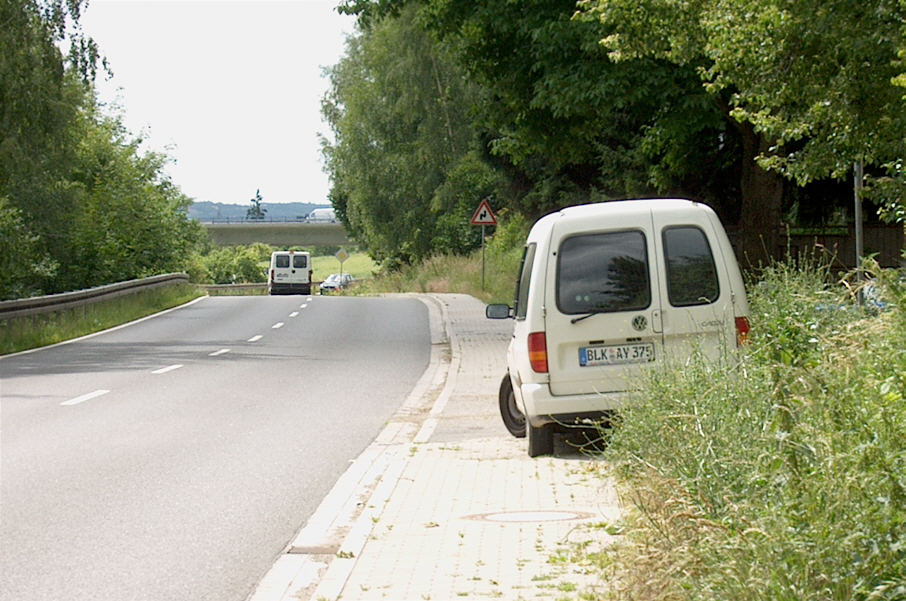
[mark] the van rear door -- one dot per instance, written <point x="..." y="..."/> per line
<point x="696" y="295"/>
<point x="601" y="314"/>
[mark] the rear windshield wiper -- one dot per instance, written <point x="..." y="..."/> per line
<point x="587" y="315"/>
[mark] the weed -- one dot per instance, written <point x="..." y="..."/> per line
<point x="778" y="474"/>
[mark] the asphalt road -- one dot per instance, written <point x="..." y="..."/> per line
<point x="175" y="458"/>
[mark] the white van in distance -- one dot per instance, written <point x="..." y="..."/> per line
<point x="604" y="291"/>
<point x="290" y="273"/>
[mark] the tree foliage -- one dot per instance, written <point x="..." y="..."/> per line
<point x="740" y="103"/>
<point x="813" y="80"/>
<point x="255" y="211"/>
<point x="82" y="205"/>
<point x="400" y="160"/>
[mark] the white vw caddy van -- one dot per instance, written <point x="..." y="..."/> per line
<point x="606" y="290"/>
<point x="290" y="273"/>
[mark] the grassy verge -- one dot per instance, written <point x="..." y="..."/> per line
<point x="463" y="274"/>
<point x="777" y="475"/>
<point x="359" y="264"/>
<point x="22" y="333"/>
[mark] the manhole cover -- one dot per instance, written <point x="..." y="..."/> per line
<point x="531" y="516"/>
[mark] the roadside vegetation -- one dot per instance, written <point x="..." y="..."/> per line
<point x="536" y="105"/>
<point x="248" y="264"/>
<point x="778" y="476"/>
<point x="22" y="333"/>
<point x="463" y="273"/>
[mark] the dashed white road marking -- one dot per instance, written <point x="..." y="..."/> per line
<point x="308" y="299"/>
<point x="255" y="338"/>
<point x="277" y="325"/>
<point x="164" y="370"/>
<point x="222" y="351"/>
<point x="85" y="397"/>
<point x="303" y="305"/>
<point x="294" y="314"/>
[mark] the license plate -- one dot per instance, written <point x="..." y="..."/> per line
<point x="616" y="354"/>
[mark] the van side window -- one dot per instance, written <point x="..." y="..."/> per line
<point x="520" y="304"/>
<point x="281" y="261"/>
<point x="604" y="272"/>
<point x="300" y="261"/>
<point x="691" y="274"/>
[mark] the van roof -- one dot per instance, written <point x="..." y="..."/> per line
<point x="618" y="207"/>
<point x="638" y="205"/>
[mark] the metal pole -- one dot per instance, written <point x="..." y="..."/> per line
<point x="857" y="187"/>
<point x="482" y="258"/>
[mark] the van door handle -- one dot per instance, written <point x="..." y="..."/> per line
<point x="657" y="321"/>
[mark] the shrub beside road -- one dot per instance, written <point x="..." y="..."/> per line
<point x="782" y="476"/>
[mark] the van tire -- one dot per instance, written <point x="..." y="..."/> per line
<point x="540" y="440"/>
<point x="513" y="419"/>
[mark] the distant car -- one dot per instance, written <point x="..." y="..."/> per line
<point x="336" y="281"/>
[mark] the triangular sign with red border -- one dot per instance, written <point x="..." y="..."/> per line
<point x="484" y="215"/>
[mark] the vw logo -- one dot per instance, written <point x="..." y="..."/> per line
<point x="639" y="323"/>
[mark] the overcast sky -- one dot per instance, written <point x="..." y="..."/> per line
<point x="231" y="89"/>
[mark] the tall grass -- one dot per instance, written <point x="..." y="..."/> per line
<point x="463" y="274"/>
<point x="22" y="333"/>
<point x="779" y="474"/>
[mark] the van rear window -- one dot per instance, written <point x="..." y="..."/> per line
<point x="691" y="274"/>
<point x="300" y="261"/>
<point x="603" y="272"/>
<point x="281" y="261"/>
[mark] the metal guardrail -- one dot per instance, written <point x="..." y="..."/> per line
<point x="248" y="221"/>
<point x="68" y="300"/>
<point x="234" y="287"/>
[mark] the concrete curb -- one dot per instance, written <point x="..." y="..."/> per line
<point x="319" y="560"/>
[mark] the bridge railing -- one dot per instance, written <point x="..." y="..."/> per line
<point x="248" y="221"/>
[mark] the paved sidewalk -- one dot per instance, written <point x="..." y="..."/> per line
<point x="446" y="504"/>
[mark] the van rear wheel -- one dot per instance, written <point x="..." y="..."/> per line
<point x="512" y="417"/>
<point x="540" y="440"/>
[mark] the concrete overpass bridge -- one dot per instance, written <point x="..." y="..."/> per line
<point x="278" y="233"/>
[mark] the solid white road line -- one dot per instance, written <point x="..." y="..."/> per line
<point x="277" y="325"/>
<point x="85" y="397"/>
<point x="164" y="370"/>
<point x="256" y="338"/>
<point x="222" y="351"/>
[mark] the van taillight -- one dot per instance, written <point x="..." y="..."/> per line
<point x="537" y="352"/>
<point x="742" y="331"/>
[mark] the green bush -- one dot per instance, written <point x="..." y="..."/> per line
<point x="780" y="473"/>
<point x="231" y="265"/>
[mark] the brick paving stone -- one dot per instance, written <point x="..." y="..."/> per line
<point x="471" y="515"/>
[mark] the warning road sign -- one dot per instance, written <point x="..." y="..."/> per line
<point x="484" y="215"/>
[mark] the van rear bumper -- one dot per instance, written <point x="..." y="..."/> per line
<point x="276" y="288"/>
<point x="541" y="407"/>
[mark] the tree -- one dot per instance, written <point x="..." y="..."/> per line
<point x="131" y="220"/>
<point x="39" y="99"/>
<point x="21" y="262"/>
<point x="255" y="211"/>
<point x="807" y="83"/>
<point x="398" y="110"/>
<point x="562" y="121"/>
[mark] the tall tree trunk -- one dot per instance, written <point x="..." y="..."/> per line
<point x="762" y="195"/>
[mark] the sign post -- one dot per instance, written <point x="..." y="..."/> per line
<point x="341" y="256"/>
<point x="483" y="216"/>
